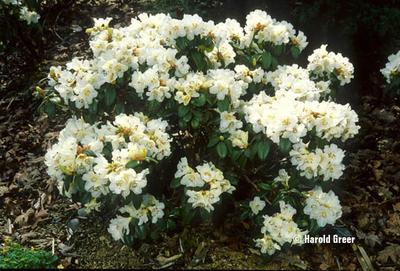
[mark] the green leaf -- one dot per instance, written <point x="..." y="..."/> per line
<point x="278" y="50"/>
<point x="244" y="60"/>
<point x="79" y="183"/>
<point x="214" y="139"/>
<point x="314" y="228"/>
<point x="132" y="163"/>
<point x="254" y="150"/>
<point x="187" y="117"/>
<point x="153" y="107"/>
<point x="263" y="149"/>
<point x="265" y="186"/>
<point x="293" y="182"/>
<point x="197" y="115"/>
<point x="86" y="197"/>
<point x="67" y="181"/>
<point x="236" y="154"/>
<point x="247" y="152"/>
<point x="266" y="258"/>
<point x="199" y="101"/>
<point x="223" y="105"/>
<point x="183" y="110"/>
<point x="120" y="108"/>
<point x="50" y="109"/>
<point x="182" y="124"/>
<point x="285" y="145"/>
<point x="244" y="215"/>
<point x="110" y="95"/>
<point x="205" y="215"/>
<point x="266" y="59"/>
<point x="195" y="124"/>
<point x="242" y="161"/>
<point x="154" y="235"/>
<point x="136" y="200"/>
<point x="231" y="177"/>
<point x="244" y="204"/>
<point x="181" y="43"/>
<point x="222" y="150"/>
<point x="175" y="183"/>
<point x="89" y="153"/>
<point x="198" y="59"/>
<point x="187" y="216"/>
<point x="274" y="63"/>
<point x="141" y="232"/>
<point x="295" y="51"/>
<point x="93" y="107"/>
<point x="129" y="240"/>
<point x="160" y="224"/>
<point x="171" y="225"/>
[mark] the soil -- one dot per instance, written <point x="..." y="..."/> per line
<point x="369" y="189"/>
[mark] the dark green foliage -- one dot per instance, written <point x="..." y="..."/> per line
<point x="17" y="36"/>
<point x="379" y="17"/>
<point x="176" y="8"/>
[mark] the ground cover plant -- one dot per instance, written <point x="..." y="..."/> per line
<point x="224" y="95"/>
<point x="14" y="256"/>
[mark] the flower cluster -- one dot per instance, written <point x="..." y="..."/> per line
<point x="131" y="139"/>
<point x="266" y="29"/>
<point x="150" y="206"/>
<point x="279" y="229"/>
<point x="296" y="80"/>
<point x="323" y="207"/>
<point x="392" y="67"/>
<point x="208" y="180"/>
<point x="322" y="63"/>
<point x="283" y="116"/>
<point x="24" y="13"/>
<point x="326" y="162"/>
<point x="150" y="40"/>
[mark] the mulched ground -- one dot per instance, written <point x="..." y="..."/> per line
<point x="34" y="214"/>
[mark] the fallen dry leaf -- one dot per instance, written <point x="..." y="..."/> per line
<point x="393" y="224"/>
<point x="23" y="219"/>
<point x="27" y="236"/>
<point x="392" y="252"/>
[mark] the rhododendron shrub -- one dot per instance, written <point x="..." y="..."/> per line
<point x="218" y="107"/>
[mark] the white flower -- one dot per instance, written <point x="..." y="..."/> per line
<point x="392" y="67"/>
<point x="29" y="16"/>
<point x="229" y="123"/>
<point x="119" y="226"/>
<point x="267" y="245"/>
<point x="192" y="180"/>
<point x="257" y="205"/>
